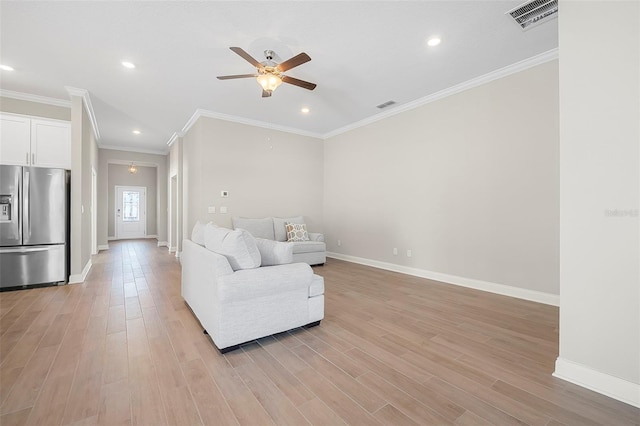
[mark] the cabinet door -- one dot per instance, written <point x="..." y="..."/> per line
<point x="50" y="144"/>
<point x="14" y="140"/>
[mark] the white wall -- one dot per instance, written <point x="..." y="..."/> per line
<point x="19" y="106"/>
<point x="468" y="183"/>
<point x="600" y="173"/>
<point x="175" y="194"/>
<point x="111" y="156"/>
<point x="267" y="173"/>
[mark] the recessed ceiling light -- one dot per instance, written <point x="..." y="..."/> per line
<point x="434" y="41"/>
<point x="305" y="110"/>
<point x="136" y="132"/>
<point x="128" y="65"/>
<point x="6" y="68"/>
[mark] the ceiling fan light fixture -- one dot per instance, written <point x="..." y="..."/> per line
<point x="269" y="82"/>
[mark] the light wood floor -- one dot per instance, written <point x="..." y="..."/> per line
<point x="123" y="348"/>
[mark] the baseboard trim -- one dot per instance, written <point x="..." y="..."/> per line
<point x="505" y="290"/>
<point x="605" y="384"/>
<point x="178" y="254"/>
<point x="173" y="249"/>
<point x="79" y="278"/>
<point x="137" y="238"/>
<point x="103" y="247"/>
<point x="163" y="244"/>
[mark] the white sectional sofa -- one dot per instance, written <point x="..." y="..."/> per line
<point x="235" y="297"/>
<point x="312" y="251"/>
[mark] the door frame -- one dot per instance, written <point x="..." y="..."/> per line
<point x="115" y="208"/>
<point x="94" y="211"/>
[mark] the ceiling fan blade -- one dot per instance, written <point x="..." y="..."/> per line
<point x="301" y="83"/>
<point x="266" y="94"/>
<point x="229" y="77"/>
<point x="247" y="57"/>
<point x="293" y="62"/>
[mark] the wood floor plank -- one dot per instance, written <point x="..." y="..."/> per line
<point x="335" y="399"/>
<point x="361" y="394"/>
<point x="286" y="382"/>
<point x="390" y="415"/>
<point x="444" y="407"/>
<point x="52" y="400"/>
<point x="318" y="413"/>
<point x="26" y="389"/>
<point x="279" y="407"/>
<point x="400" y="399"/>
<point x="211" y="404"/>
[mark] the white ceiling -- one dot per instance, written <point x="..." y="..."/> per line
<point x="363" y="53"/>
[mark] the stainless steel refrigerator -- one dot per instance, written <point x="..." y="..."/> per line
<point x="34" y="226"/>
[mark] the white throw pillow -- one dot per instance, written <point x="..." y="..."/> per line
<point x="274" y="252"/>
<point x="296" y="232"/>
<point x="239" y="246"/>
<point x="279" y="226"/>
<point x="197" y="235"/>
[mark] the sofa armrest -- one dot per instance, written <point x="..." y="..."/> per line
<point x="316" y="236"/>
<point x="265" y="281"/>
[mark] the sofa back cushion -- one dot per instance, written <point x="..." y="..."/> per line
<point x="279" y="226"/>
<point x="274" y="252"/>
<point x="238" y="246"/>
<point x="197" y="235"/>
<point x="259" y="228"/>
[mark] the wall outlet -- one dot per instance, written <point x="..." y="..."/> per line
<point x="223" y="209"/>
<point x="339" y="243"/>
<point x="395" y="251"/>
<point x="409" y="253"/>
<point x="211" y="209"/>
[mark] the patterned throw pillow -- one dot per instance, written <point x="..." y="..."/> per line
<point x="296" y="232"/>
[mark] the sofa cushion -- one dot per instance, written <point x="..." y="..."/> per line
<point x="274" y="252"/>
<point x="308" y="246"/>
<point x="197" y="235"/>
<point x="279" y="226"/>
<point x="317" y="286"/>
<point x="238" y="246"/>
<point x="259" y="228"/>
<point x="296" y="232"/>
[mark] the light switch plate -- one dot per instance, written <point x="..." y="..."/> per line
<point x="223" y="209"/>
<point x="211" y="209"/>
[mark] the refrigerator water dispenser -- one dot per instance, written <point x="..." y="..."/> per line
<point x="5" y="208"/>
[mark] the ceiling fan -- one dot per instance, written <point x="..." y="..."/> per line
<point x="270" y="74"/>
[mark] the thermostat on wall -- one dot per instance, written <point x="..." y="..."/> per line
<point x="224" y="193"/>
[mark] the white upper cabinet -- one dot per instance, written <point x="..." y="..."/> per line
<point x="37" y="142"/>
<point x="15" y="140"/>
<point x="50" y="143"/>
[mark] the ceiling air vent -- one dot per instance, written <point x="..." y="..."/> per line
<point x="385" y="104"/>
<point x="534" y="13"/>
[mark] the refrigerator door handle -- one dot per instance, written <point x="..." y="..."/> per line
<point x="26" y="213"/>
<point x="24" y="249"/>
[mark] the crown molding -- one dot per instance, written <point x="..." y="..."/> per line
<point x="139" y="150"/>
<point x="469" y="84"/>
<point x="174" y="138"/>
<point x="84" y="94"/>
<point x="35" y="98"/>
<point x="241" y="120"/>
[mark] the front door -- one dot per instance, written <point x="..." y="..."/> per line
<point x="131" y="212"/>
